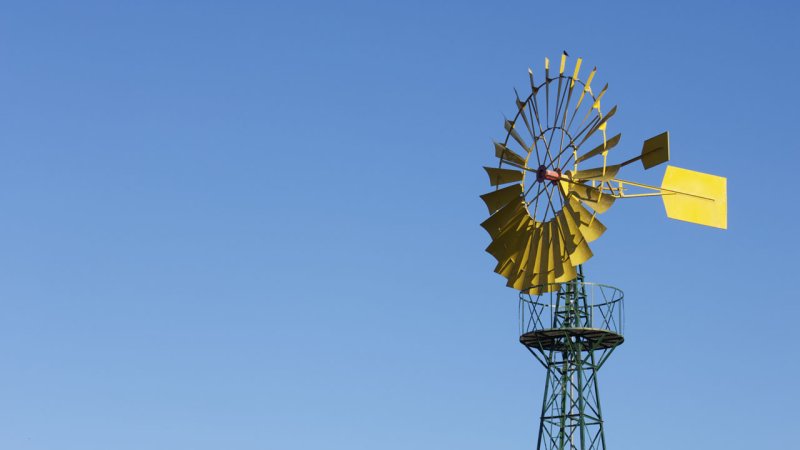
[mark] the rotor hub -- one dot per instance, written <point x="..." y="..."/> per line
<point x="544" y="174"/>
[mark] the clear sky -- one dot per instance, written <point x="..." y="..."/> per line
<point x="254" y="225"/>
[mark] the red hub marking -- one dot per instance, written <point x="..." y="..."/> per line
<point x="543" y="173"/>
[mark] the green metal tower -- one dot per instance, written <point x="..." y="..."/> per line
<point x="572" y="331"/>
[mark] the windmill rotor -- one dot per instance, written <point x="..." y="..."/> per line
<point x="553" y="179"/>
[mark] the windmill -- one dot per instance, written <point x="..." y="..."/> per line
<point x="552" y="182"/>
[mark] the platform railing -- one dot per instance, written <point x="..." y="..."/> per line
<point x="576" y="304"/>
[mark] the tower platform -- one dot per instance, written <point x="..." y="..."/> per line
<point x="564" y="339"/>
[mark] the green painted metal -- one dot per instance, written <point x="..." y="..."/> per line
<point x="572" y="332"/>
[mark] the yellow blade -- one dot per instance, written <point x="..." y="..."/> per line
<point x="521" y="108"/>
<point x="586" y="88"/>
<point x="545" y="282"/>
<point x="575" y="73"/>
<point x="600" y="125"/>
<point x="510" y="128"/>
<point x="495" y="225"/>
<point x="535" y="247"/>
<point x="592" y="196"/>
<point x="502" y="176"/>
<point x="545" y="279"/>
<point x="611" y="143"/>
<point x="504" y="153"/>
<point x="596" y="104"/>
<point x="562" y="270"/>
<point x="522" y="257"/>
<point x="538" y="290"/>
<point x="577" y="248"/>
<point x="563" y="63"/>
<point x="507" y="244"/>
<point x="517" y="279"/>
<point x="533" y="83"/>
<point x="589" y="226"/>
<point x="505" y="268"/>
<point x="566" y="273"/>
<point x="550" y="251"/>
<point x="606" y="173"/>
<point x="512" y="272"/>
<point x="540" y="282"/>
<point x="712" y="210"/>
<point x="655" y="150"/>
<point x="517" y="222"/>
<point x="605" y="118"/>
<point x="501" y="197"/>
<point x="543" y="257"/>
<point x="520" y="104"/>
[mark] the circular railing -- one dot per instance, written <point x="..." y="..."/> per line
<point x="576" y="304"/>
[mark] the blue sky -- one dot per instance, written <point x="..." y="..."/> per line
<point x="254" y="225"/>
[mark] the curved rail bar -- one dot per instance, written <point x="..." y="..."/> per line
<point x="578" y="312"/>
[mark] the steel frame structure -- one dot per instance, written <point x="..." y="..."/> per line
<point x="572" y="331"/>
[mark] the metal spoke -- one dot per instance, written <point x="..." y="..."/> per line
<point x="535" y="106"/>
<point x="564" y="120"/>
<point x="575" y="138"/>
<point x="559" y="108"/>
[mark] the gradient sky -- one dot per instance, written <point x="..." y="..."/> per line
<point x="254" y="225"/>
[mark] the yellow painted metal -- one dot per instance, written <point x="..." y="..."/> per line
<point x="619" y="192"/>
<point x="545" y="257"/>
<point x="566" y="272"/>
<point x="509" y="244"/>
<point x="575" y="73"/>
<point x="577" y="247"/>
<point x="586" y="88"/>
<point x="601" y="125"/>
<point x="496" y="224"/>
<point x="502" y="176"/>
<point x="562" y="269"/>
<point x="501" y="197"/>
<point x="550" y="275"/>
<point x="535" y="291"/>
<point x="509" y="126"/>
<point x="706" y="202"/>
<point x="534" y="89"/>
<point x="521" y="105"/>
<point x="604" y="147"/>
<point x="541" y="248"/>
<point x="596" y="104"/>
<point x="534" y="256"/>
<point x="514" y="278"/>
<point x="534" y="247"/>
<point x="505" y="268"/>
<point x="508" y="267"/>
<point x="589" y="79"/>
<point x="517" y="278"/>
<point x="592" y="196"/>
<point x="590" y="227"/>
<point x="605" y="118"/>
<point x="655" y="150"/>
<point x="506" y="154"/>
<point x="605" y="173"/>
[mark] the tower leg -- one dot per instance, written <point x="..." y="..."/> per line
<point x="571" y="416"/>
